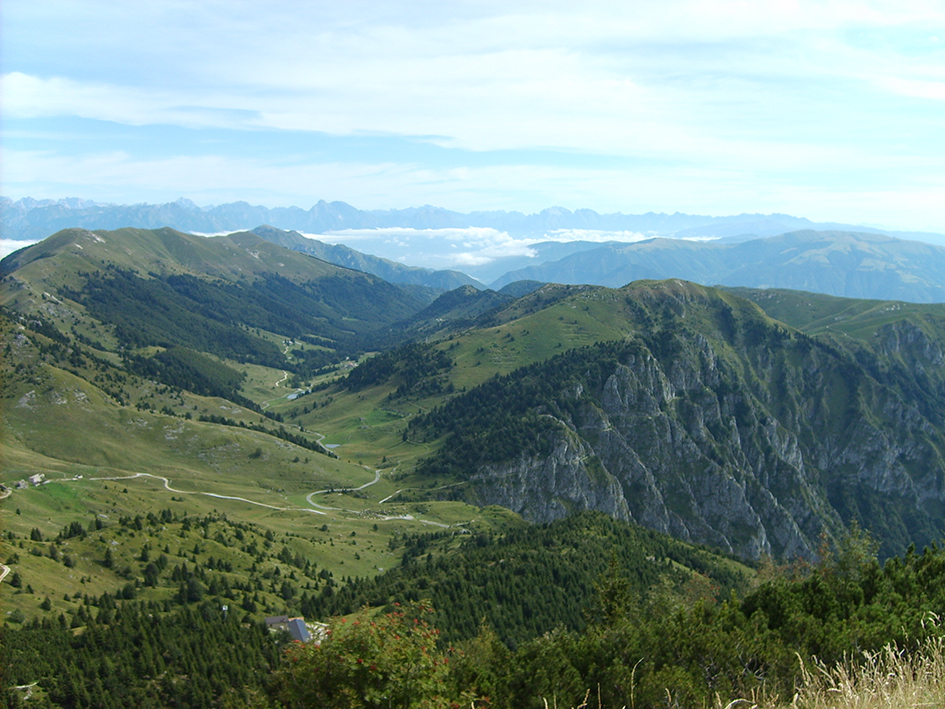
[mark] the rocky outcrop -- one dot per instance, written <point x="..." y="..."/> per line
<point x="645" y="452"/>
<point x="756" y="449"/>
<point x="543" y="489"/>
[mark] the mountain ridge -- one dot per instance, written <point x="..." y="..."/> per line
<point x="847" y="264"/>
<point x="687" y="408"/>
<point x="714" y="422"/>
<point x="342" y="255"/>
<point x="34" y="219"/>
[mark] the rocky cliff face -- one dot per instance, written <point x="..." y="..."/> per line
<point x="756" y="443"/>
<point x="550" y="487"/>
<point x="670" y="459"/>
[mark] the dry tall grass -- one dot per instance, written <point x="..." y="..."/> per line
<point x="888" y="679"/>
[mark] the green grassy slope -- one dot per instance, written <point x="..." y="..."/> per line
<point x="162" y="251"/>
<point x="747" y="390"/>
<point x="818" y="314"/>
<point x="102" y="397"/>
<point x="111" y="444"/>
<point x="79" y="401"/>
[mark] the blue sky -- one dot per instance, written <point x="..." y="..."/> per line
<point x="828" y="110"/>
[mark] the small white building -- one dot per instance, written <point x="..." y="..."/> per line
<point x="36" y="479"/>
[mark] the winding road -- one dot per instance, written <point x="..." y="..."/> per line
<point x="308" y="498"/>
<point x="167" y="486"/>
<point x="315" y="508"/>
<point x="285" y="375"/>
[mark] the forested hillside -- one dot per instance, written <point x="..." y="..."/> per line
<point x="712" y="422"/>
<point x="654" y="487"/>
<point x="634" y="614"/>
<point x="534" y="578"/>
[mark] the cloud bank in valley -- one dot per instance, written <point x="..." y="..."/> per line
<point x="460" y="248"/>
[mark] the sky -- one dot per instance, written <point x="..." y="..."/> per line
<point x="834" y="111"/>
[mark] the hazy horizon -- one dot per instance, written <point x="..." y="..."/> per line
<point x="477" y="249"/>
<point x="831" y="110"/>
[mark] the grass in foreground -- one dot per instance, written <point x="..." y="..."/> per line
<point x="888" y="679"/>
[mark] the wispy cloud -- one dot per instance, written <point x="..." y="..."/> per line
<point x="684" y="104"/>
<point x="918" y="89"/>
<point x="637" y="80"/>
<point x="27" y="96"/>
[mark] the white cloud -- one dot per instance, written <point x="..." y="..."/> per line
<point x="435" y="248"/>
<point x="27" y="96"/>
<point x="637" y="79"/>
<point x="918" y="89"/>
<point x="8" y="246"/>
<point x="710" y="105"/>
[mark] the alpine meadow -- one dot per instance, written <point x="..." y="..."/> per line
<point x="472" y="355"/>
<point x="662" y="494"/>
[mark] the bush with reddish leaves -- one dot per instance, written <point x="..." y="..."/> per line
<point x="390" y="661"/>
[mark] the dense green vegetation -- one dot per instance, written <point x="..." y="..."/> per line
<point x="142" y="371"/>
<point x="185" y="368"/>
<point x="848" y="604"/>
<point x="657" y="618"/>
<point x="664" y="648"/>
<point x="162" y="638"/>
<point x="151" y="311"/>
<point x="181" y="310"/>
<point x="388" y="661"/>
<point x="415" y="368"/>
<point x="212" y="558"/>
<point x="530" y="580"/>
<point x="511" y="415"/>
<point x="138" y="655"/>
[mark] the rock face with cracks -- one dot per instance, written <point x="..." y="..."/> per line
<point x="746" y="436"/>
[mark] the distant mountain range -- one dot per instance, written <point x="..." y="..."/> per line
<point x="773" y="251"/>
<point x="36" y="219"/>
<point x="853" y="265"/>
<point x="341" y="255"/>
<point x="848" y="264"/>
